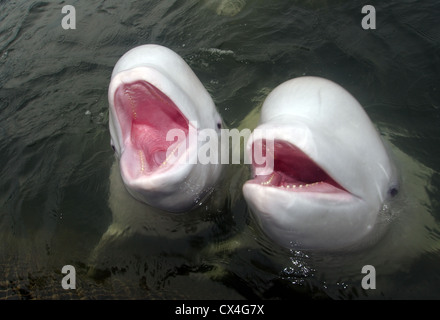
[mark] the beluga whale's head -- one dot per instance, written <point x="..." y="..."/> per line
<point x="158" y="106"/>
<point x="330" y="173"/>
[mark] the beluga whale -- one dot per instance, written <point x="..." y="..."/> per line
<point x="152" y="93"/>
<point x="331" y="172"/>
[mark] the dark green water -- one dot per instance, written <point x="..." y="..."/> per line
<point x="55" y="156"/>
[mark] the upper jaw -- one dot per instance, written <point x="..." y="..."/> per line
<point x="153" y="76"/>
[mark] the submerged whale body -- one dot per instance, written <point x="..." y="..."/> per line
<point x="331" y="171"/>
<point x="152" y="92"/>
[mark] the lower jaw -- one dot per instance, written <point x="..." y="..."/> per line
<point x="284" y="182"/>
<point x="320" y="187"/>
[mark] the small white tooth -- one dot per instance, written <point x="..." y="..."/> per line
<point x="165" y="162"/>
<point x="141" y="158"/>
<point x="269" y="181"/>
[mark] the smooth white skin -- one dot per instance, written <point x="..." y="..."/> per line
<point x="176" y="189"/>
<point x="330" y="126"/>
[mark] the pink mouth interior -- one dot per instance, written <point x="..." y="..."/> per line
<point x="146" y="115"/>
<point x="295" y="171"/>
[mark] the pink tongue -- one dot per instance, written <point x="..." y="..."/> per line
<point x="292" y="167"/>
<point x="146" y="115"/>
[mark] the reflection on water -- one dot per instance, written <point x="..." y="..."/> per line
<point x="55" y="191"/>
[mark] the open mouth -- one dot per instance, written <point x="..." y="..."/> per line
<point x="146" y="115"/>
<point x="294" y="171"/>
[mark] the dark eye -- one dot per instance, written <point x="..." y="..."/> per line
<point x="219" y="125"/>
<point x="393" y="191"/>
<point x="113" y="147"/>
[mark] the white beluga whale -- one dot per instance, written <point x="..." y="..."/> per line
<point x="153" y="92"/>
<point x="331" y="171"/>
